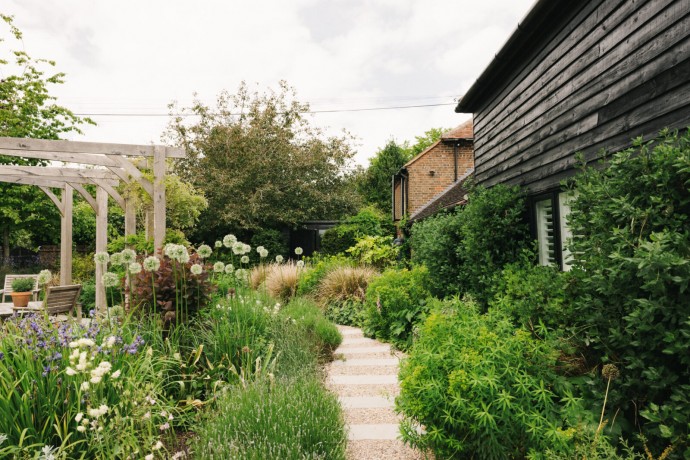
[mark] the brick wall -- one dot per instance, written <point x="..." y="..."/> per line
<point x="423" y="185"/>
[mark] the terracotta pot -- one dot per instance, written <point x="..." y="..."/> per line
<point x="21" y="299"/>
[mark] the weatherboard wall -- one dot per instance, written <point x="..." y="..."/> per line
<point x="616" y="70"/>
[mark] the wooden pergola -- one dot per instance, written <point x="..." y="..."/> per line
<point x="110" y="164"/>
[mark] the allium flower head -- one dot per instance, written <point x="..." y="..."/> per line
<point x="241" y="274"/>
<point x="264" y="253"/>
<point x="300" y="264"/>
<point x="229" y="240"/>
<point x="204" y="251"/>
<point x="101" y="257"/>
<point x="128" y="255"/>
<point x="247" y="249"/>
<point x="219" y="244"/>
<point x="134" y="268"/>
<point x="152" y="264"/>
<point x="196" y="269"/>
<point x="244" y="259"/>
<point x="218" y="267"/>
<point x="111" y="279"/>
<point x="238" y="248"/>
<point x="279" y="259"/>
<point x="44" y="277"/>
<point x="260" y="249"/>
<point x="116" y="259"/>
<point x="298" y="251"/>
<point x="229" y="269"/>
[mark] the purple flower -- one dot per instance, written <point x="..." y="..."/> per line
<point x="2" y="356"/>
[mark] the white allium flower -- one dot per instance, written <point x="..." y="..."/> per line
<point x="247" y="249"/>
<point x="219" y="244"/>
<point x="241" y="274"/>
<point x="196" y="269"/>
<point x="101" y="257"/>
<point x="204" y="251"/>
<point x="264" y="253"/>
<point x="300" y="264"/>
<point x="279" y="259"/>
<point x="218" y="267"/>
<point x="111" y="279"/>
<point x="238" y="248"/>
<point x="183" y="256"/>
<point x="134" y="268"/>
<point x="260" y="249"/>
<point x="116" y="259"/>
<point x="229" y="240"/>
<point x="44" y="277"/>
<point x="128" y="255"/>
<point x="152" y="264"/>
<point x="298" y="251"/>
<point x="229" y="269"/>
<point x="244" y="259"/>
<point x="169" y="249"/>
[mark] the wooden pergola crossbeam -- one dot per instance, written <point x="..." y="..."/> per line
<point x="41" y="145"/>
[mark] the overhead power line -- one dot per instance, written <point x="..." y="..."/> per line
<point x="362" y="109"/>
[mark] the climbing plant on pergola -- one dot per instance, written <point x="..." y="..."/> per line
<point x="115" y="161"/>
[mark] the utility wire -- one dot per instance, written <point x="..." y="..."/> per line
<point x="365" y="109"/>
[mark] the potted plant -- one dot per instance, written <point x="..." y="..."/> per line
<point x="21" y="291"/>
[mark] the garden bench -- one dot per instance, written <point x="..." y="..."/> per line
<point x="7" y="290"/>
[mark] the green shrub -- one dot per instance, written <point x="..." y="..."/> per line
<point x="347" y="313"/>
<point x="368" y="222"/>
<point x="464" y="250"/>
<point x="482" y="388"/>
<point x="291" y="420"/>
<point x="23" y="284"/>
<point x="532" y="294"/>
<point x="375" y="251"/>
<point x="630" y="293"/>
<point x="395" y="302"/>
<point x="318" y="268"/>
<point x="309" y="317"/>
<point x="274" y="241"/>
<point x="141" y="245"/>
<point x="83" y="267"/>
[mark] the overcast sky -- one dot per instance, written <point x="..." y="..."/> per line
<point x="136" y="56"/>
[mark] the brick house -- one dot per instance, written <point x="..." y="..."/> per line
<point x="434" y="172"/>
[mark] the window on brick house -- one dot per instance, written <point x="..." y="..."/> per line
<point x="552" y="230"/>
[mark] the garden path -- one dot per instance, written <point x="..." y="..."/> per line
<point x="364" y="375"/>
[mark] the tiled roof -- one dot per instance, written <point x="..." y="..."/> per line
<point x="452" y="196"/>
<point x="464" y="131"/>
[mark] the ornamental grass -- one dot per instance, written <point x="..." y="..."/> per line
<point x="282" y="280"/>
<point x="345" y="283"/>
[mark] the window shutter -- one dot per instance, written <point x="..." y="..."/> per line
<point x="546" y="232"/>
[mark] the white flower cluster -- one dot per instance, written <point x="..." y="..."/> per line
<point x="279" y="259"/>
<point x="299" y="251"/>
<point x="82" y="360"/>
<point x="110" y="279"/>
<point x="177" y="252"/>
<point x="218" y="267"/>
<point x="196" y="269"/>
<point x="263" y="252"/>
<point x="300" y="264"/>
<point x="152" y="264"/>
<point x="44" y="277"/>
<point x="134" y="268"/>
<point x="244" y="259"/>
<point x="128" y="256"/>
<point x="95" y="413"/>
<point x="204" y="251"/>
<point x="229" y="240"/>
<point x="101" y="257"/>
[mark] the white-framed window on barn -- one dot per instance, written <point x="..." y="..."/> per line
<point x="550" y="227"/>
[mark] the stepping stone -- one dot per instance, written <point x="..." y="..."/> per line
<point x="360" y="341"/>
<point x="363" y="379"/>
<point x="368" y="362"/>
<point x="351" y="332"/>
<point x="365" y="402"/>
<point x="384" y="431"/>
<point x="365" y="350"/>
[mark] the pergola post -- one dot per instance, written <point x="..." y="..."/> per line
<point x="130" y="217"/>
<point x="66" y="236"/>
<point x="158" y="196"/>
<point x="101" y="244"/>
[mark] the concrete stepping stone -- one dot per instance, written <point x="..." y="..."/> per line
<point x="381" y="431"/>
<point x="365" y="402"/>
<point x="367" y="362"/>
<point x="363" y="379"/>
<point x="364" y="350"/>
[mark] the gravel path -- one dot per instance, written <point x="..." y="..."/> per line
<point x="364" y="376"/>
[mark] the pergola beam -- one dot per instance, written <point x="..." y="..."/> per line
<point x="23" y="144"/>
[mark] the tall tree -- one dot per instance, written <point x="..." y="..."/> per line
<point x="260" y="163"/>
<point x="28" y="110"/>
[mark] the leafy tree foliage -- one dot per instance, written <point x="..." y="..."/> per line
<point x="28" y="110"/>
<point x="260" y="163"/>
<point x="369" y="221"/>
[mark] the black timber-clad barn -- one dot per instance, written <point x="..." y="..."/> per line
<point x="577" y="76"/>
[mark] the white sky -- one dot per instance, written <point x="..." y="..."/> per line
<point x="136" y="56"/>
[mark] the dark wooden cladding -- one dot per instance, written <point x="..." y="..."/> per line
<point x="617" y="70"/>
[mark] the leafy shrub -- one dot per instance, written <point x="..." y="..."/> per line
<point x="23" y="284"/>
<point x="141" y="245"/>
<point x="310" y="318"/>
<point x="347" y="313"/>
<point x="532" y="294"/>
<point x="395" y="302"/>
<point x="83" y="267"/>
<point x="631" y="272"/>
<point x="375" y="251"/>
<point x="481" y="387"/>
<point x="465" y="249"/>
<point x="345" y="283"/>
<point x="368" y="222"/>
<point x="291" y="420"/>
<point x="172" y="290"/>
<point x="274" y="241"/>
<point x="318" y="268"/>
<point x="281" y="280"/>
